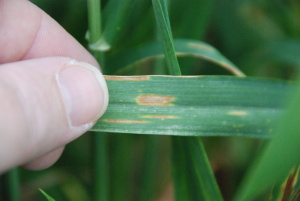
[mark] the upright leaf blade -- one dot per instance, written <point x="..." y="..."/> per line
<point x="10" y="185"/>
<point x="100" y="181"/>
<point x="46" y="195"/>
<point x="178" y="144"/>
<point x="179" y="166"/>
<point x="205" y="186"/>
<point x="165" y="34"/>
<point x="150" y="165"/>
<point x="94" y="12"/>
<point x="183" y="48"/>
<point x="115" y="13"/>
<point x="282" y="154"/>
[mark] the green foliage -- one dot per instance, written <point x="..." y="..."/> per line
<point x="115" y="15"/>
<point x="46" y="195"/>
<point x="258" y="38"/>
<point x="124" y="62"/>
<point x="283" y="152"/>
<point x="172" y="105"/>
<point x="9" y="185"/>
<point x="165" y="33"/>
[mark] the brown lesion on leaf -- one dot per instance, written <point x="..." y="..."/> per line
<point x="155" y="100"/>
<point x="127" y="78"/>
<point x="125" y="121"/>
<point x="238" y="113"/>
<point x="289" y="184"/>
<point x="162" y="117"/>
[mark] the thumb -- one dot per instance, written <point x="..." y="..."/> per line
<point x="46" y="103"/>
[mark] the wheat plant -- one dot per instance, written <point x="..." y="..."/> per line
<point x="204" y="104"/>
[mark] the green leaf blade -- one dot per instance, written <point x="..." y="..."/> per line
<point x="279" y="157"/>
<point x="193" y="105"/>
<point x="46" y="195"/>
<point x="94" y="12"/>
<point x="198" y="162"/>
<point x="179" y="161"/>
<point x="165" y="34"/>
<point x="183" y="48"/>
<point x="115" y="16"/>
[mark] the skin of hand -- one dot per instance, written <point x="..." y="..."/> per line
<point x="51" y="89"/>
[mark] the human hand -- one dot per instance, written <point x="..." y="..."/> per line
<point x="47" y="99"/>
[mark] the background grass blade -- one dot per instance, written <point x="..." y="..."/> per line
<point x="165" y="34"/>
<point x="191" y="11"/>
<point x="204" y="186"/>
<point x="282" y="154"/>
<point x="198" y="183"/>
<point x="183" y="48"/>
<point x="164" y="29"/>
<point x="296" y="192"/>
<point x="204" y="106"/>
<point x="9" y="183"/>
<point x="148" y="185"/>
<point x="115" y="16"/>
<point x="289" y="184"/>
<point x="46" y="195"/>
<point x="122" y="159"/>
<point x="99" y="150"/>
<point x="179" y="166"/>
<point x="100" y="167"/>
<point x="153" y="143"/>
<point x="94" y="12"/>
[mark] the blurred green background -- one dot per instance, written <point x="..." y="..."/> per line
<point x="261" y="37"/>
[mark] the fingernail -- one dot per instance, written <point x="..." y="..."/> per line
<point x="84" y="93"/>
